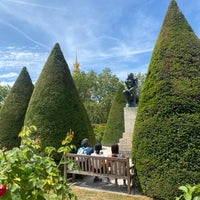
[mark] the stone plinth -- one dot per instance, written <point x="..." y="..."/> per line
<point x="125" y="143"/>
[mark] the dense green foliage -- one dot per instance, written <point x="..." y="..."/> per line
<point x="96" y="92"/>
<point x="115" y="123"/>
<point x="99" y="130"/>
<point x="4" y="90"/>
<point x="141" y="79"/>
<point x="166" y="136"/>
<point x="55" y="106"/>
<point x="28" y="175"/>
<point x="13" y="111"/>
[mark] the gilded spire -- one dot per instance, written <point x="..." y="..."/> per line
<point x="76" y="65"/>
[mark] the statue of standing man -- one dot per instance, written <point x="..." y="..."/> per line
<point x="130" y="93"/>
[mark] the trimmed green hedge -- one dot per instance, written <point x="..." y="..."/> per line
<point x="115" y="123"/>
<point x="55" y="106"/>
<point x="13" y="111"/>
<point x="166" y="142"/>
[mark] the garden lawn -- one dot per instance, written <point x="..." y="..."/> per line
<point x="91" y="194"/>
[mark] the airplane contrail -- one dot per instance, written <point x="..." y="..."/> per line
<point x="24" y="34"/>
<point x="34" y="4"/>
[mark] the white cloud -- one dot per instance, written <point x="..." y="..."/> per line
<point x="4" y="83"/>
<point x="17" y="57"/>
<point x="9" y="75"/>
<point x="13" y="59"/>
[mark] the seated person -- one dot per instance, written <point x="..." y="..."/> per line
<point x="115" y="153"/>
<point x="85" y="149"/>
<point x="97" y="165"/>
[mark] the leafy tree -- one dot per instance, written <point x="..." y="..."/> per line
<point x="85" y="84"/>
<point x="106" y="87"/>
<point x="4" y="90"/>
<point x="13" y="111"/>
<point x="55" y="105"/>
<point x="96" y="91"/>
<point x="115" y="123"/>
<point x="166" y="135"/>
<point x="141" y="79"/>
<point x="99" y="130"/>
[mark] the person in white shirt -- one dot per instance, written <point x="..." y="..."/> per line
<point x="97" y="166"/>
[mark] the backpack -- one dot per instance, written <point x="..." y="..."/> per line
<point x="82" y="151"/>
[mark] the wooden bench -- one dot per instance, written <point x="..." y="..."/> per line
<point x="109" y="167"/>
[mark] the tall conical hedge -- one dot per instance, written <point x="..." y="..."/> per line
<point x="13" y="112"/>
<point x="166" y="142"/>
<point x="115" y="122"/>
<point x="55" y="106"/>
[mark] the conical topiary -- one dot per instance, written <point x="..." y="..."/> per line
<point x="115" y="122"/>
<point x="166" y="142"/>
<point x="12" y="113"/>
<point x="55" y="106"/>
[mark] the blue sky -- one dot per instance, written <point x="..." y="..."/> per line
<point x="119" y="34"/>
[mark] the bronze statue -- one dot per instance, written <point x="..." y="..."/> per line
<point x="130" y="93"/>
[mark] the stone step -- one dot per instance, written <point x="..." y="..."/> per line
<point x="125" y="146"/>
<point x="125" y="139"/>
<point x="127" y="136"/>
<point x="125" y="142"/>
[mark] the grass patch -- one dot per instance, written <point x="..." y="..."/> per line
<point x="91" y="194"/>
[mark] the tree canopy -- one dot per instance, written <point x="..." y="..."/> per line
<point x="13" y="111"/>
<point x="55" y="106"/>
<point x="97" y="92"/>
<point x="166" y="135"/>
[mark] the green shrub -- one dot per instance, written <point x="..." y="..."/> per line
<point x="55" y="106"/>
<point x="29" y="175"/>
<point x="166" y="134"/>
<point x="115" y="122"/>
<point x="13" y="111"/>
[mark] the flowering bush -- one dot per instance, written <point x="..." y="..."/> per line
<point x="2" y="190"/>
<point x="26" y="174"/>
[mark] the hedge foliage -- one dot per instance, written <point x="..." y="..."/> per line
<point x="13" y="111"/>
<point x="115" y="122"/>
<point x="166" y="142"/>
<point x="55" y="106"/>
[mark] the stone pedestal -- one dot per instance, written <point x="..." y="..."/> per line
<point x="125" y="143"/>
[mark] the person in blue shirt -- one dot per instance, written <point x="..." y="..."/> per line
<point x="85" y="149"/>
